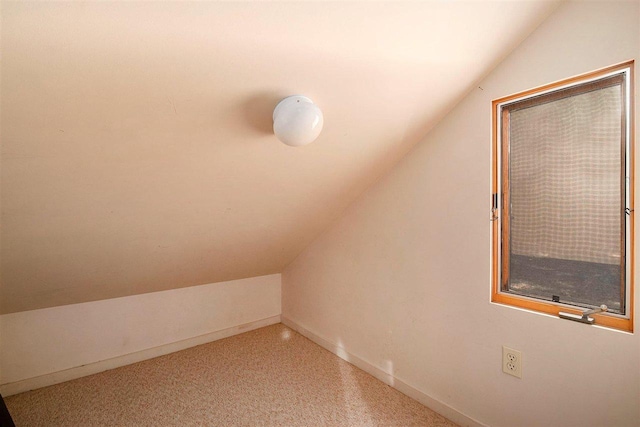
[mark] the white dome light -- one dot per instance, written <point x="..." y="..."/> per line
<point x="297" y="120"/>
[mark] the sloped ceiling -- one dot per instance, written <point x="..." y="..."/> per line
<point x="137" y="152"/>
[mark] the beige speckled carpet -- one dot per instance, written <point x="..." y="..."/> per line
<point x="268" y="377"/>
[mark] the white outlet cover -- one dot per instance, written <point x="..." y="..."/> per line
<point x="512" y="362"/>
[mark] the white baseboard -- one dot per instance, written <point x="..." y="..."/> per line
<point x="127" y="359"/>
<point x="387" y="378"/>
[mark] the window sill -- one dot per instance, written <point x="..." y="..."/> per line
<point x="604" y="320"/>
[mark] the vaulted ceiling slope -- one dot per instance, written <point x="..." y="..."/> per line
<point x="137" y="152"/>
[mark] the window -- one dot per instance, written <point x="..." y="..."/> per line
<point x="562" y="203"/>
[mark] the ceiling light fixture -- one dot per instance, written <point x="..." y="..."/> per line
<point x="297" y="120"/>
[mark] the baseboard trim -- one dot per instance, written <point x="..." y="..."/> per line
<point x="127" y="359"/>
<point x="387" y="378"/>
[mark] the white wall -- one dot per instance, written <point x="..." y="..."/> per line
<point x="402" y="280"/>
<point x="37" y="345"/>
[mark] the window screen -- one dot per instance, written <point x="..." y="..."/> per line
<point x="562" y="174"/>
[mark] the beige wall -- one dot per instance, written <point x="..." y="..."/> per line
<point x="45" y="346"/>
<point x="402" y="280"/>
<point x="138" y="152"/>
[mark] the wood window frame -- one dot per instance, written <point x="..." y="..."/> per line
<point x="500" y="198"/>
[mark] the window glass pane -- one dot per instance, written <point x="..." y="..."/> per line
<point x="566" y="199"/>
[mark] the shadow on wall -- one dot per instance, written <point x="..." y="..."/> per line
<point x="258" y="111"/>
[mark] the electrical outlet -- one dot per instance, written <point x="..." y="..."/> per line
<point x="511" y="362"/>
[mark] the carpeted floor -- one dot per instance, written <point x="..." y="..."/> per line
<point x="268" y="377"/>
